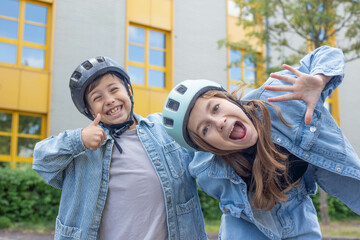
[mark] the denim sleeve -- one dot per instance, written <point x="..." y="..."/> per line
<point x="54" y="154"/>
<point x="327" y="61"/>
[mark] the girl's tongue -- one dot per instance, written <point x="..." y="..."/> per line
<point x="238" y="132"/>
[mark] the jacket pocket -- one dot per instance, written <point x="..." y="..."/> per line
<point x="191" y="223"/>
<point x="63" y="232"/>
<point x="175" y="157"/>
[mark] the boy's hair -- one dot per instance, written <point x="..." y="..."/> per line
<point x="269" y="167"/>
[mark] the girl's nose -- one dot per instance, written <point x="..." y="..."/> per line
<point x="220" y="123"/>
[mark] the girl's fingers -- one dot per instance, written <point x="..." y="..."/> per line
<point x="285" y="97"/>
<point x="282" y="88"/>
<point x="291" y="69"/>
<point x="283" y="78"/>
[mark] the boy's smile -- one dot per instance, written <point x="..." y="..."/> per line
<point x="111" y="100"/>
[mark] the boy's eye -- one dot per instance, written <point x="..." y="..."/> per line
<point x="96" y="98"/>
<point x="205" y="129"/>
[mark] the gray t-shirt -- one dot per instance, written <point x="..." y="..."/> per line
<point x="135" y="207"/>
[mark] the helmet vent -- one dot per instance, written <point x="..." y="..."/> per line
<point x="168" y="122"/>
<point x="87" y="65"/>
<point x="100" y="59"/>
<point x="76" y="75"/>
<point x="173" y="105"/>
<point x="181" y="89"/>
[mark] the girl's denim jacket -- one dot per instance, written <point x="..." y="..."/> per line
<point x="334" y="165"/>
<point x="83" y="176"/>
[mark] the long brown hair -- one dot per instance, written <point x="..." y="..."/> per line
<point x="269" y="167"/>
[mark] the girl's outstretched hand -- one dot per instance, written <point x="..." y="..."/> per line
<point x="305" y="87"/>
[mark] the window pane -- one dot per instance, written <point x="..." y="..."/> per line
<point x="137" y="75"/>
<point x="34" y="33"/>
<point x="5" y="122"/>
<point x="235" y="56"/>
<point x="9" y="8"/>
<point x="33" y="57"/>
<point x="249" y="63"/>
<point x="156" y="78"/>
<point x="136" y="35"/>
<point x="235" y="73"/>
<point x="26" y="146"/>
<point x="157" y="58"/>
<point x="5" y="142"/>
<point x="35" y="13"/>
<point x="8" y="28"/>
<point x="29" y="124"/>
<point x="249" y="76"/>
<point x="157" y="39"/>
<point x="136" y="54"/>
<point x="233" y="8"/>
<point x="8" y="53"/>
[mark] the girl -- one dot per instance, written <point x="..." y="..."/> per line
<point x="267" y="160"/>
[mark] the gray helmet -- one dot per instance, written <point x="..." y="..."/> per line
<point x="178" y="106"/>
<point x="89" y="71"/>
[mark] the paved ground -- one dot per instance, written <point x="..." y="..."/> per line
<point x="6" y="235"/>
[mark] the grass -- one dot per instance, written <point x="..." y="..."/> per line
<point x="350" y="228"/>
<point x="38" y="228"/>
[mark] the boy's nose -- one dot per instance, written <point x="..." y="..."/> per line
<point x="109" y="100"/>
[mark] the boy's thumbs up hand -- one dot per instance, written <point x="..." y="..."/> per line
<point x="93" y="136"/>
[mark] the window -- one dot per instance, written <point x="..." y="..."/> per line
<point x="147" y="57"/>
<point x="242" y="69"/>
<point x="23" y="33"/>
<point x="240" y="9"/>
<point x="19" y="132"/>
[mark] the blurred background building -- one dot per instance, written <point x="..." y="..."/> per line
<point x="159" y="42"/>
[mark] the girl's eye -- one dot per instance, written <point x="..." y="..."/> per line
<point x="216" y="107"/>
<point x="114" y="89"/>
<point x="205" y="129"/>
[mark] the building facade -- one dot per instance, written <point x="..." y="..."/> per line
<point x="159" y="42"/>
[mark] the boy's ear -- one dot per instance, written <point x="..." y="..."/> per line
<point x="88" y="110"/>
<point x="129" y="87"/>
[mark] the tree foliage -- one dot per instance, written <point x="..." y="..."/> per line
<point x="315" y="22"/>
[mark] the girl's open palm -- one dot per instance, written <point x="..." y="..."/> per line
<point x="305" y="87"/>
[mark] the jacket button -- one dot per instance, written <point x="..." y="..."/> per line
<point x="312" y="129"/>
<point x="278" y="140"/>
<point x="338" y="169"/>
<point x="306" y="155"/>
<point x="140" y="130"/>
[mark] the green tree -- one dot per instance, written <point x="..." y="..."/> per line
<point x="313" y="23"/>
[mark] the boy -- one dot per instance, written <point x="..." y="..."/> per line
<point x="141" y="189"/>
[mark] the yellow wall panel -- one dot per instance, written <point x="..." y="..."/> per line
<point x="141" y="100"/>
<point x="161" y="12"/>
<point x="157" y="101"/>
<point x="237" y="33"/>
<point x="34" y="91"/>
<point x="9" y="88"/>
<point x="139" y="11"/>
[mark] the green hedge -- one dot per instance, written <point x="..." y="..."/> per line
<point x="25" y="197"/>
<point x="337" y="210"/>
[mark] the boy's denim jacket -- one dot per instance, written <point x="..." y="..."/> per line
<point x="83" y="176"/>
<point x="334" y="165"/>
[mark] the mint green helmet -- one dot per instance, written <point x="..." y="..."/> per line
<point x="178" y="106"/>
